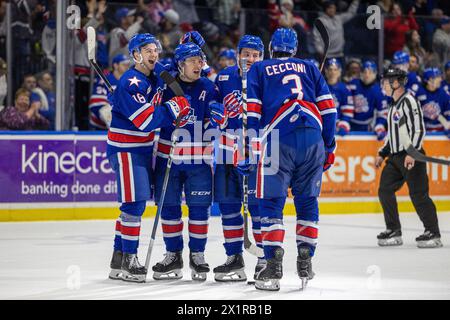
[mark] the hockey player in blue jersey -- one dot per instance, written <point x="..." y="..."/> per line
<point x="191" y="170"/>
<point x="291" y="96"/>
<point x="227" y="181"/>
<point x="369" y="102"/>
<point x="99" y="106"/>
<point x="446" y="82"/>
<point x="137" y="110"/>
<point x="435" y="101"/>
<point x="401" y="60"/>
<point x="343" y="99"/>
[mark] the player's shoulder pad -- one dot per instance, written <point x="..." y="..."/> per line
<point x="133" y="81"/>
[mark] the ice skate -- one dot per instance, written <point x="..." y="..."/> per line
<point x="260" y="264"/>
<point x="232" y="270"/>
<point x="390" y="238"/>
<point x="304" y="266"/>
<point x="132" y="270"/>
<point x="198" y="266"/>
<point x="169" y="268"/>
<point x="429" y="240"/>
<point x="269" y="277"/>
<point x="116" y="265"/>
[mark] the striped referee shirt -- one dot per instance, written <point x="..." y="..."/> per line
<point x="406" y="106"/>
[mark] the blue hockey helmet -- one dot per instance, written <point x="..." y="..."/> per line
<point x="431" y="73"/>
<point x="400" y="57"/>
<point x="228" y="53"/>
<point x="447" y="66"/>
<point x="251" y="42"/>
<point x="369" y="64"/>
<point x="314" y="61"/>
<point x="120" y="58"/>
<point x="333" y="62"/>
<point x="141" y="39"/>
<point x="284" y="40"/>
<point x="187" y="50"/>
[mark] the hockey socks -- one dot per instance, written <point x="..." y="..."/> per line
<point x="233" y="227"/>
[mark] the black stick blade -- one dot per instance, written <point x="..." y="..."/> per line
<point x="172" y="83"/>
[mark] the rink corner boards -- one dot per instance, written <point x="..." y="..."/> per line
<point x="80" y="211"/>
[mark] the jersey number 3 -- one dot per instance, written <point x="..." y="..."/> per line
<point x="297" y="82"/>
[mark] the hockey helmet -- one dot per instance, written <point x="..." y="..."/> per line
<point x="187" y="50"/>
<point x="252" y="42"/>
<point x="333" y="62"/>
<point x="369" y="64"/>
<point x="393" y="73"/>
<point x="400" y="57"/>
<point x="140" y="40"/>
<point x="284" y="40"/>
<point x="431" y="73"/>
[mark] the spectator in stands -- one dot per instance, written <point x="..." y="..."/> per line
<point x="352" y="70"/>
<point x="414" y="65"/>
<point x="30" y="83"/>
<point x="395" y="28"/>
<point x="3" y="29"/>
<point x="413" y="46"/>
<point x="154" y="9"/>
<point x="430" y="26"/>
<point x="3" y="83"/>
<point x="186" y="10"/>
<point x="335" y="25"/>
<point x="128" y="27"/>
<point x="441" y="42"/>
<point x="385" y="5"/>
<point x="170" y="33"/>
<point x="225" y="12"/>
<point x="47" y="97"/>
<point x="22" y="116"/>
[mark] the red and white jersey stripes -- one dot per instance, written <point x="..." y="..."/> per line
<point x="172" y="228"/>
<point x="272" y="235"/>
<point x="307" y="232"/>
<point x="142" y="117"/>
<point x="254" y="108"/>
<point x="185" y="150"/>
<point x="130" y="230"/>
<point x="130" y="139"/>
<point x="198" y="229"/>
<point x="127" y="188"/>
<point x="233" y="233"/>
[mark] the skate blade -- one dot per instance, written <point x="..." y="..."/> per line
<point x="268" y="285"/>
<point x="436" y="243"/>
<point x="198" y="276"/>
<point x="234" y="276"/>
<point x="172" y="275"/>
<point x="304" y="283"/>
<point x="115" y="274"/>
<point x="139" y="278"/>
<point x="396" y="241"/>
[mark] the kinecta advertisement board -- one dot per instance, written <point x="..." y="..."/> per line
<point x="57" y="170"/>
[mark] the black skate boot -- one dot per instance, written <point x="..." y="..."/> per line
<point x="390" y="238"/>
<point x="170" y="267"/>
<point x="232" y="270"/>
<point x="269" y="277"/>
<point x="198" y="266"/>
<point x="260" y="264"/>
<point x="132" y="270"/>
<point x="116" y="265"/>
<point x="429" y="240"/>
<point x="304" y="265"/>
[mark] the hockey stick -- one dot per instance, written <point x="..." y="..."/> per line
<point x="325" y="38"/>
<point x="175" y="87"/>
<point x="248" y="245"/>
<point x="413" y="152"/>
<point x="92" y="50"/>
<point x="444" y="122"/>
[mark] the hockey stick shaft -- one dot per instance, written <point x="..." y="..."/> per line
<point x="92" y="50"/>
<point x="413" y="152"/>
<point x="175" y="87"/>
<point x="325" y="38"/>
<point x="444" y="122"/>
<point x="248" y="245"/>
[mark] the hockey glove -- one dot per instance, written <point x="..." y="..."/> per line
<point x="218" y="114"/>
<point x="245" y="167"/>
<point x="380" y="132"/>
<point x="329" y="156"/>
<point x="343" y="128"/>
<point x="178" y="107"/>
<point x="193" y="36"/>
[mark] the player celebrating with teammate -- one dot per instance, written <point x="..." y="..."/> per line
<point x="227" y="181"/>
<point x="136" y="112"/>
<point x="290" y="95"/>
<point x="191" y="170"/>
<point x="342" y="97"/>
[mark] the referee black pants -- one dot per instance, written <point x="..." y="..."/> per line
<point x="393" y="177"/>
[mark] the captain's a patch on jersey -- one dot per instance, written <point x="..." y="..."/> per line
<point x="224" y="77"/>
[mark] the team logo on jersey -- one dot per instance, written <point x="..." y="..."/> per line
<point x="135" y="81"/>
<point x="361" y="104"/>
<point x="157" y="97"/>
<point x="233" y="103"/>
<point x="396" y="116"/>
<point x="224" y="77"/>
<point x="431" y="110"/>
<point x="294" y="118"/>
<point x="190" y="118"/>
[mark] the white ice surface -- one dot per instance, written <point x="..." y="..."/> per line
<point x="43" y="260"/>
